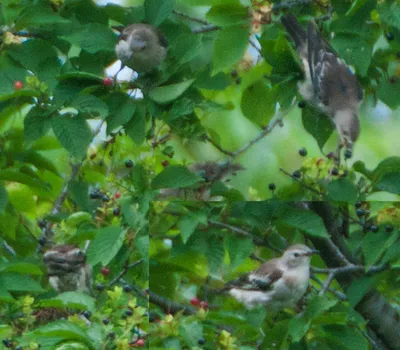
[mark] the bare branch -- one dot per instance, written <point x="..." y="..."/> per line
<point x="206" y="29"/>
<point x="169" y="306"/>
<point x="124" y="271"/>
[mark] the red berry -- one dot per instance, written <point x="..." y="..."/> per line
<point x="107" y="81"/>
<point x="117" y="195"/>
<point x="105" y="271"/>
<point x="204" y="304"/>
<point x="165" y="163"/>
<point x="140" y="342"/>
<point x="18" y="85"/>
<point x="194" y="301"/>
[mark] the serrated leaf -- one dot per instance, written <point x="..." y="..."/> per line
<point x="298" y="327"/>
<point x="17" y="282"/>
<point x="215" y="254"/>
<point x="91" y="105"/>
<point x="359" y="287"/>
<point x="73" y="133"/>
<point x="168" y="93"/>
<point x="258" y="104"/>
<point x="37" y="16"/>
<point x="21" y="267"/>
<point x="342" y="190"/>
<point x="228" y="14"/>
<point x="229" y="47"/>
<point x="174" y="176"/>
<point x="36" y="124"/>
<point x="374" y="245"/>
<point x="317" y="124"/>
<point x="306" y="221"/>
<point x="158" y="11"/>
<point x="191" y="332"/>
<point x="106" y="244"/>
<point x="390" y="13"/>
<point x="318" y="305"/>
<point x="239" y="249"/>
<point x="121" y="107"/>
<point x="187" y="224"/>
<point x="348" y="337"/>
<point x="388" y="91"/>
<point x="73" y="300"/>
<point x="136" y="127"/>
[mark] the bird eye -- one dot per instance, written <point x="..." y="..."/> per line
<point x="296" y="255"/>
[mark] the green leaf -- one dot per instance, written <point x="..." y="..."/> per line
<point x="317" y="124"/>
<point x="342" y="190"/>
<point x="187" y="47"/>
<point x="21" y="267"/>
<point x="348" y="337"/>
<point x="318" y="305"/>
<point x="239" y="248"/>
<point x="9" y="73"/>
<point x="105" y="246"/>
<point x="388" y="90"/>
<point x="374" y="245"/>
<point x="188" y="224"/>
<point x="122" y="108"/>
<point x="389" y="182"/>
<point x="258" y="103"/>
<point x="298" y="328"/>
<point x="191" y="332"/>
<point x="229" y="47"/>
<point x="136" y="127"/>
<point x="92" y="37"/>
<point x="386" y="166"/>
<point x="3" y="197"/>
<point x="168" y="93"/>
<point x="306" y="221"/>
<point x="73" y="300"/>
<point x="8" y="225"/>
<point x="36" y="159"/>
<point x="91" y="105"/>
<point x="14" y="175"/>
<point x="36" y="124"/>
<point x="158" y="11"/>
<point x="360" y="287"/>
<point x="215" y="253"/>
<point x="175" y="176"/>
<point x="228" y="14"/>
<point x="73" y="132"/>
<point x="38" y="16"/>
<point x="390" y="13"/>
<point x="17" y="282"/>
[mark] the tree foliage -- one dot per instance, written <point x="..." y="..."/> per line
<point x="85" y="158"/>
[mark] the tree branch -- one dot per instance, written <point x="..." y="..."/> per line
<point x="312" y="189"/>
<point x="124" y="271"/>
<point x="169" y="306"/>
<point x="190" y="18"/>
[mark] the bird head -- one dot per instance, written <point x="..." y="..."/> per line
<point x="298" y="255"/>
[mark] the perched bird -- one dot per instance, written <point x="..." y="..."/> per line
<point x="277" y="283"/>
<point x="210" y="172"/>
<point x="329" y="83"/>
<point x="67" y="269"/>
<point x="141" y="47"/>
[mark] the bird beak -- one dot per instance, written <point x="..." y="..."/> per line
<point x="310" y="253"/>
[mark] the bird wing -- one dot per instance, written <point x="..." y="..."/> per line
<point x="260" y="280"/>
<point x="333" y="81"/>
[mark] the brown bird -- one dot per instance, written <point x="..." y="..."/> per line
<point x="141" y="47"/>
<point x="329" y="83"/>
<point x="67" y="269"/>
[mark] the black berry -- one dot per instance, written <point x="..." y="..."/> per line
<point x="128" y="312"/>
<point x="42" y="240"/>
<point x="390" y="36"/>
<point x="303" y="152"/>
<point x="358" y="205"/>
<point x="106" y="321"/>
<point x="335" y="172"/>
<point x="301" y="104"/>
<point x="99" y="286"/>
<point x="128" y="163"/>
<point x="348" y="154"/>
<point x="94" y="195"/>
<point x="238" y="81"/>
<point x="374" y="228"/>
<point x="87" y="314"/>
<point x="297" y="174"/>
<point x="360" y="212"/>
<point x="41" y="223"/>
<point x="7" y="343"/>
<point x="127" y="288"/>
<point x="201" y="341"/>
<point x="105" y="198"/>
<point x="234" y="73"/>
<point x="389" y="228"/>
<point x="111" y="335"/>
<point x="116" y="211"/>
<point x="272" y="186"/>
<point x="18" y="348"/>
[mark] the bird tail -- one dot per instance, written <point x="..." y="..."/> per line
<point x="295" y="30"/>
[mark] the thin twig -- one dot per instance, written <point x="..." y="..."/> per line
<point x="206" y="29"/>
<point x="351" y="268"/>
<point x="327" y="283"/>
<point x="169" y="306"/>
<point x="190" y="18"/>
<point x="336" y="293"/>
<point x="312" y="189"/>
<point x="124" y="271"/>
<point x="9" y="248"/>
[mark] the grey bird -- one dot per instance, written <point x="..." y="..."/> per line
<point x="329" y="83"/>
<point x="67" y="269"/>
<point x="141" y="47"/>
<point x="278" y="283"/>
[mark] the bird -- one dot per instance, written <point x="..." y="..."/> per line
<point x="141" y="47"/>
<point x="330" y="85"/>
<point x="278" y="283"/>
<point x="67" y="269"/>
<point x="210" y="172"/>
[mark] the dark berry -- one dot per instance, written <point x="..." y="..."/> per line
<point x="105" y="198"/>
<point x="234" y="73"/>
<point x="393" y="80"/>
<point x="358" y="205"/>
<point x="297" y="174"/>
<point x="116" y="211"/>
<point x="390" y="36"/>
<point x="348" y="154"/>
<point x="94" y="195"/>
<point x="19" y="348"/>
<point x="127" y="288"/>
<point x="42" y="240"/>
<point x="194" y="301"/>
<point x="374" y="228"/>
<point x="105" y="271"/>
<point x="111" y="335"/>
<point x="367" y="212"/>
<point x="335" y="172"/>
<point x="99" y="287"/>
<point x="330" y="155"/>
<point x="165" y="163"/>
<point x="272" y="186"/>
<point x="128" y="163"/>
<point x="41" y="223"/>
<point x="106" y="321"/>
<point x="87" y="314"/>
<point x="389" y="228"/>
<point x="360" y="212"/>
<point x="303" y="152"/>
<point x="128" y="312"/>
<point x="301" y="104"/>
<point x="238" y="81"/>
<point x="93" y="156"/>
<point x="7" y="343"/>
<point x="201" y="341"/>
